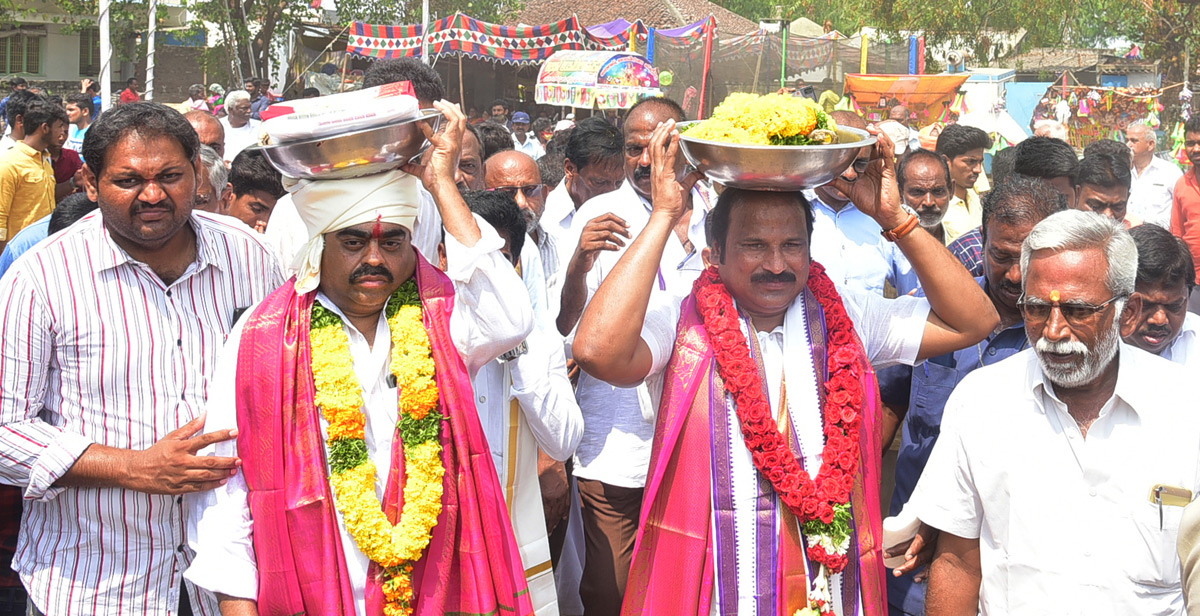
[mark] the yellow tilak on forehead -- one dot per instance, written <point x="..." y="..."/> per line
<point x="1054" y="295"/>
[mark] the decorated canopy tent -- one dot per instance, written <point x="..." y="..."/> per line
<point x="1092" y="113"/>
<point x="922" y="94"/>
<point x="596" y="79"/>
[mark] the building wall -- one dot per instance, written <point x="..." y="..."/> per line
<point x="176" y="68"/>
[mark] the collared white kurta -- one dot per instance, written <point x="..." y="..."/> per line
<point x="488" y="319"/>
<point x="1066" y="524"/>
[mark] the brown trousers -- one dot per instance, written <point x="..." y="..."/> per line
<point x="610" y="524"/>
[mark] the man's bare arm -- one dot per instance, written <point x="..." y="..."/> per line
<point x="233" y="606"/>
<point x="954" y="578"/>
<point x="169" y="466"/>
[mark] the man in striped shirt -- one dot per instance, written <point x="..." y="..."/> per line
<point x="109" y="334"/>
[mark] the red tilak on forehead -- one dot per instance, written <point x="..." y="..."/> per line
<point x="377" y="232"/>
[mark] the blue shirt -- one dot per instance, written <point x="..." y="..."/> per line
<point x="850" y="246"/>
<point x="24" y="240"/>
<point x="932" y="383"/>
<point x="258" y="105"/>
<point x="969" y="249"/>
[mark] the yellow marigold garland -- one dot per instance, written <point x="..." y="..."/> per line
<point x="352" y="476"/>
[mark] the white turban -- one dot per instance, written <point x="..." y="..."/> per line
<point x="326" y="206"/>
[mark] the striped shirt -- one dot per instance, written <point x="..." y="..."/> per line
<point x="97" y="349"/>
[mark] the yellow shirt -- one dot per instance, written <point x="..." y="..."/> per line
<point x="962" y="216"/>
<point x="26" y="189"/>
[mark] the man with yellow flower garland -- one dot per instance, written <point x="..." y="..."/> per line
<point x="367" y="487"/>
<point x="745" y="513"/>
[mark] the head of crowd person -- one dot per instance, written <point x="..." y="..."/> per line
<point x="502" y="213"/>
<point x="1191" y="142"/>
<point x="594" y="162"/>
<point x="250" y="85"/>
<point x="1002" y="165"/>
<point x="426" y="83"/>
<point x="196" y="92"/>
<point x="1166" y="276"/>
<point x="640" y="123"/>
<point x="470" y="174"/>
<point x="516" y="174"/>
<point x="1142" y="141"/>
<point x="18" y="83"/>
<point x="899" y="113"/>
<point x="1052" y="161"/>
<point x="68" y="211"/>
<point x="1010" y="211"/>
<point x="543" y="128"/>
<point x="237" y="107"/>
<point x="211" y="182"/>
<point x="963" y="146"/>
<point x="1052" y="129"/>
<point x="310" y="93"/>
<point x="552" y="168"/>
<point x="558" y="141"/>
<point x="141" y="169"/>
<point x="520" y="122"/>
<point x="45" y="124"/>
<point x="262" y="87"/>
<point x="360" y="233"/>
<point x="759" y="240"/>
<point x="80" y="109"/>
<point x="1079" y="272"/>
<point x="495" y="138"/>
<point x="1108" y="146"/>
<point x="925" y="186"/>
<point x="132" y="83"/>
<point x="830" y="195"/>
<point x="14" y="112"/>
<point x="498" y="111"/>
<point x="209" y="129"/>
<point x="1103" y="182"/>
<point x="253" y="189"/>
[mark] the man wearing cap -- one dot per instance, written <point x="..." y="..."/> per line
<point x="523" y="140"/>
<point x="367" y="486"/>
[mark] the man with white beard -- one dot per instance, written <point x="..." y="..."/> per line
<point x="1060" y="476"/>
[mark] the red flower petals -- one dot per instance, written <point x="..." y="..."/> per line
<point x="808" y="499"/>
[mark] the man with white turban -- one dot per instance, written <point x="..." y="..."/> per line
<point x="366" y="484"/>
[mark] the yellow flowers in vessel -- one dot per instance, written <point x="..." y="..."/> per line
<point x="772" y="119"/>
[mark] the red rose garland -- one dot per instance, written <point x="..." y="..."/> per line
<point x="813" y="501"/>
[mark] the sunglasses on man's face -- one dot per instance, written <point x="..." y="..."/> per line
<point x="532" y="191"/>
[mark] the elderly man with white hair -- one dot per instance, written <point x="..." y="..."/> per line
<point x="1051" y="128"/>
<point x="1061" y="473"/>
<point x="366" y="484"/>
<point x="213" y="176"/>
<point x="1154" y="179"/>
<point x="241" y="131"/>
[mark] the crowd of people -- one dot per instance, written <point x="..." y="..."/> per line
<point x="549" y="369"/>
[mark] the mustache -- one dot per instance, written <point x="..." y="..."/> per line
<point x="769" y="277"/>
<point x="1062" y="347"/>
<point x="641" y="173"/>
<point x="1156" y="331"/>
<point x="141" y="206"/>
<point x="371" y="270"/>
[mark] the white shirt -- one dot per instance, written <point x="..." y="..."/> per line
<point x="7" y="143"/>
<point x="558" y="217"/>
<point x="855" y="255"/>
<point x="1151" y="192"/>
<point x="1065" y="524"/>
<point x="532" y="146"/>
<point x="486" y="322"/>
<point x="619" y="422"/>
<point x="97" y="349"/>
<point x="538" y="381"/>
<point x="1186" y="347"/>
<point x="238" y="139"/>
<point x="287" y="234"/>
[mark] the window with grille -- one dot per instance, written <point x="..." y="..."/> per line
<point x="21" y="53"/>
<point x="89" y="52"/>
